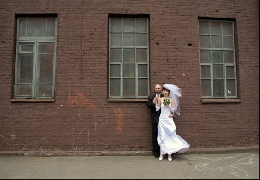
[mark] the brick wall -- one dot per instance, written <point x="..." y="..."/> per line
<point x="81" y="118"/>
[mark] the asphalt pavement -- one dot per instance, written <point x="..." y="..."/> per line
<point x="228" y="165"/>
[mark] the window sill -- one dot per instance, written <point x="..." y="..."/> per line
<point x="126" y="100"/>
<point x="32" y="100"/>
<point x="219" y="101"/>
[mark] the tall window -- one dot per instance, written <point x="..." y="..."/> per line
<point x="217" y="59"/>
<point x="35" y="57"/>
<point x="128" y="58"/>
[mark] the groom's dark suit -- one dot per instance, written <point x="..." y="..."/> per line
<point x="155" y="120"/>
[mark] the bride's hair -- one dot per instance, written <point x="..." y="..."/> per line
<point x="166" y="89"/>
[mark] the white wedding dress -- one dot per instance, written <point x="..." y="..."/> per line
<point x="167" y="138"/>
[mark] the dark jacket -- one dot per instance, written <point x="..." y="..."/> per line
<point x="154" y="114"/>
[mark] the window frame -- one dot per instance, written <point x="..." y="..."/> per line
<point x="35" y="40"/>
<point x="225" y="64"/>
<point x="136" y="77"/>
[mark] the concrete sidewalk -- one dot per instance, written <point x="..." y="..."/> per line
<point x="229" y="165"/>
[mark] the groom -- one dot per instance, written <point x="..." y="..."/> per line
<point x="155" y="118"/>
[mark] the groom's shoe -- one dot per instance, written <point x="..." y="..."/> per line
<point x="156" y="155"/>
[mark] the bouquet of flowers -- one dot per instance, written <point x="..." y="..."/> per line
<point x="166" y="101"/>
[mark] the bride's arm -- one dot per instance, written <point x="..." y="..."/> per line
<point x="171" y="106"/>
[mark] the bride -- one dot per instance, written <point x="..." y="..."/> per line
<point x="167" y="138"/>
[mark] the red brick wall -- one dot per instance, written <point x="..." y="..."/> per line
<point x="81" y="118"/>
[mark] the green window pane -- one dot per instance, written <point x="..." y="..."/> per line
<point x="205" y="42"/>
<point x="231" y="88"/>
<point x="141" y="25"/>
<point x="229" y="56"/>
<point x="230" y="72"/>
<point x="22" y="27"/>
<point x="206" y="87"/>
<point x="115" y="55"/>
<point x="129" y="55"/>
<point x="227" y="28"/>
<point x="46" y="47"/>
<point x="142" y="70"/>
<point x="129" y="70"/>
<point x="142" y="87"/>
<point x="43" y="90"/>
<point x="114" y="87"/>
<point x="216" y="42"/>
<point x="23" y="90"/>
<point x="204" y="27"/>
<point x="218" y="88"/>
<point x="205" y="71"/>
<point x="116" y="25"/>
<point x="217" y="71"/>
<point x="51" y="27"/>
<point x="25" y="68"/>
<point x="129" y="24"/>
<point x="129" y="88"/>
<point x="141" y="55"/>
<point x="215" y="28"/>
<point x="36" y="27"/>
<point x="45" y="68"/>
<point x="141" y="40"/>
<point x="116" y="40"/>
<point x="26" y="47"/>
<point x="217" y="56"/>
<point x="115" y="70"/>
<point x="228" y="42"/>
<point x="128" y="39"/>
<point x="205" y="56"/>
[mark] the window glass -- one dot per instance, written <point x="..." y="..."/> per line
<point x="206" y="87"/>
<point x="129" y="25"/>
<point x="129" y="55"/>
<point x="128" y="40"/>
<point x="143" y="87"/>
<point x="128" y="70"/>
<point x="115" y="87"/>
<point x="231" y="90"/>
<point x="227" y="28"/>
<point x="204" y="27"/>
<point x="205" y="56"/>
<point x="217" y="71"/>
<point x="217" y="56"/>
<point x="205" y="41"/>
<point x="128" y="88"/>
<point x="141" y="55"/>
<point x="116" y="25"/>
<point x="230" y="72"/>
<point x="229" y="56"/>
<point x="116" y="40"/>
<point x="141" y="40"/>
<point x="115" y="70"/>
<point x="205" y="71"/>
<point x="218" y="88"/>
<point x="141" y="25"/>
<point x="228" y="42"/>
<point x="142" y="70"/>
<point x="115" y="55"/>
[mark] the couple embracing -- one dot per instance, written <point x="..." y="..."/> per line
<point x="164" y="104"/>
